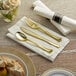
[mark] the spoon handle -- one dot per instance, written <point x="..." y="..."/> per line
<point x="42" y="47"/>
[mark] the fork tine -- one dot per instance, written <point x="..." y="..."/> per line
<point x="32" y="22"/>
<point x="29" y="22"/>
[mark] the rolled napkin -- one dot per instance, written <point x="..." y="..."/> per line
<point x="50" y="56"/>
<point x="63" y="23"/>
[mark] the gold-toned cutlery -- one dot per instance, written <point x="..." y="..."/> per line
<point x="22" y="37"/>
<point x="29" y="32"/>
<point x="34" y="25"/>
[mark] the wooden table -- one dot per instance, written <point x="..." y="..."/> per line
<point x="67" y="59"/>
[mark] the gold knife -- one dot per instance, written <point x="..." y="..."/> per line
<point x="25" y="30"/>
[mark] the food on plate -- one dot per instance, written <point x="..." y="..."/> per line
<point x="3" y="71"/>
<point x="10" y="66"/>
<point x="2" y="64"/>
<point x="16" y="70"/>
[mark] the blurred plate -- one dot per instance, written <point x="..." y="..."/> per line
<point x="22" y="58"/>
<point x="57" y="72"/>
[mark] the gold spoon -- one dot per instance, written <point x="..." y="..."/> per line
<point x="22" y="37"/>
<point x="34" y="25"/>
<point x="27" y="31"/>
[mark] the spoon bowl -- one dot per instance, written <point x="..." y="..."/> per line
<point x="21" y="36"/>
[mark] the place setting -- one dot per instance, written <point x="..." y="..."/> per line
<point x="24" y="32"/>
<point x="36" y="37"/>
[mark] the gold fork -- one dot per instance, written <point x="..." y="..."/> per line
<point x="34" y="25"/>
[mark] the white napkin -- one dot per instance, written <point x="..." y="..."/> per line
<point x="49" y="56"/>
<point x="41" y="9"/>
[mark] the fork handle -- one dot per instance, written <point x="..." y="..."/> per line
<point x="51" y="35"/>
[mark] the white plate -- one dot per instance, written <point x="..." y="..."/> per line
<point x="58" y="72"/>
<point x="17" y="59"/>
<point x="21" y="57"/>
